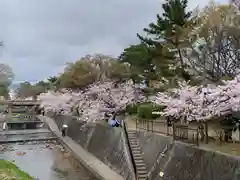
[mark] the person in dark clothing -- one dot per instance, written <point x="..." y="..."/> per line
<point x="169" y="122"/>
<point x="118" y="123"/>
<point x="64" y="130"/>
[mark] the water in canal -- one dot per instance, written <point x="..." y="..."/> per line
<point x="44" y="161"/>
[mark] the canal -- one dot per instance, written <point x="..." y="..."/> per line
<point x="45" y="161"/>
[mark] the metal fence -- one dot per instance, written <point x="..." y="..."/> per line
<point x="155" y="126"/>
<point x="178" y="131"/>
<point x="185" y="134"/>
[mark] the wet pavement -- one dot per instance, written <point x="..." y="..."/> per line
<point x="44" y="161"/>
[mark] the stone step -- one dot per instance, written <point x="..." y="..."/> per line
<point x="133" y="140"/>
<point x="135" y="145"/>
<point x="138" y="161"/>
<point x="142" y="172"/>
<point x="139" y="168"/>
<point x="136" y="149"/>
<point x="137" y="154"/>
<point x="141" y="165"/>
<point x="131" y="132"/>
<point x="142" y="176"/>
<point x="132" y="135"/>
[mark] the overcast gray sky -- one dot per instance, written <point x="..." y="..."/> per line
<point x="40" y="36"/>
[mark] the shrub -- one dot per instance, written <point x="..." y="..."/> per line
<point x="148" y="91"/>
<point x="145" y="110"/>
<point x="132" y="109"/>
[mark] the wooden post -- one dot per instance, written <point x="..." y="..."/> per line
<point x="136" y="122"/>
<point x="197" y="137"/>
<point x="206" y="132"/>
<point x="137" y="125"/>
<point x="152" y="126"/>
<point x="10" y="109"/>
<point x="147" y="125"/>
<point x="174" y="131"/>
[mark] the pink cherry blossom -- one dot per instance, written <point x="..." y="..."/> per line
<point x="200" y="103"/>
<point x="93" y="102"/>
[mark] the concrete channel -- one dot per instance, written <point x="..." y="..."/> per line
<point x="40" y="153"/>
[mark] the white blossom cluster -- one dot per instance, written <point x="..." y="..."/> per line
<point x="201" y="103"/>
<point x="92" y="103"/>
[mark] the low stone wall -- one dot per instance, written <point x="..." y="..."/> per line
<point x="106" y="143"/>
<point x="181" y="161"/>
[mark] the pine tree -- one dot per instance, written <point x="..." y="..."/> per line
<point x="168" y="31"/>
<point x="144" y="63"/>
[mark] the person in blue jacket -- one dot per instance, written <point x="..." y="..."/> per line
<point x="113" y="122"/>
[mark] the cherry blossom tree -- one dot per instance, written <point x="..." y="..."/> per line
<point x="58" y="101"/>
<point x="201" y="103"/>
<point x="95" y="101"/>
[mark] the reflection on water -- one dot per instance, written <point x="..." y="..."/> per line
<point x="45" y="161"/>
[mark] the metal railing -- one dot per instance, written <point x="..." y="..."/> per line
<point x="186" y="134"/>
<point x="178" y="131"/>
<point x="155" y="126"/>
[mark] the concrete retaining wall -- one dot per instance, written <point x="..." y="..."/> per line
<point x="193" y="163"/>
<point x="96" y="167"/>
<point x="177" y="160"/>
<point x="185" y="162"/>
<point x="106" y="143"/>
<point x="152" y="146"/>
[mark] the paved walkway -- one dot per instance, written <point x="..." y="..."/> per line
<point x="94" y="165"/>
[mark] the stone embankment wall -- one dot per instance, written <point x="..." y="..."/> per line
<point x="107" y="144"/>
<point x="179" y="161"/>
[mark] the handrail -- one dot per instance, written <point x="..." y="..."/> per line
<point x="130" y="149"/>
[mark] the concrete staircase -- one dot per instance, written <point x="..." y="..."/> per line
<point x="141" y="171"/>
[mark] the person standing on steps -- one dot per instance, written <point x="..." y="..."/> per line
<point x="64" y="130"/>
